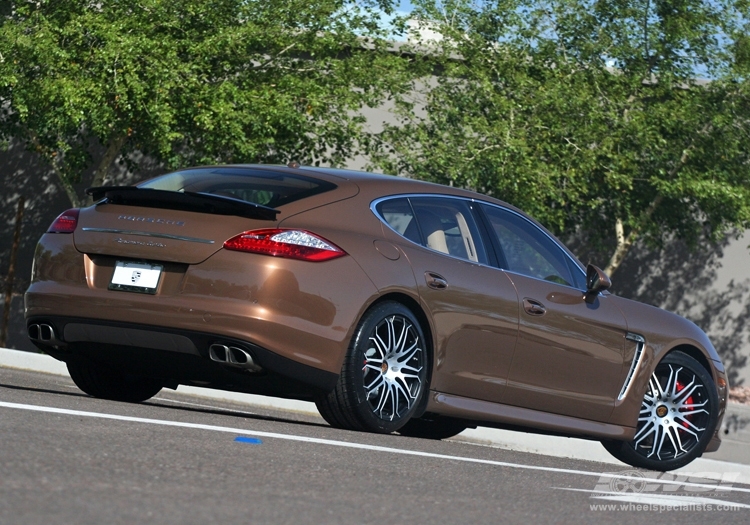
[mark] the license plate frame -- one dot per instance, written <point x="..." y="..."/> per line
<point x="136" y="276"/>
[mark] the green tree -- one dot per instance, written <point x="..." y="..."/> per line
<point x="589" y="114"/>
<point x="86" y="84"/>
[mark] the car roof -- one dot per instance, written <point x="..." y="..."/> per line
<point x="372" y="183"/>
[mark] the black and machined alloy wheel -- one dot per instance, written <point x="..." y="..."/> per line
<point x="100" y="381"/>
<point x="677" y="419"/>
<point x="384" y="374"/>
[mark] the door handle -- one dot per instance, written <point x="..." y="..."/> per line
<point x="533" y="307"/>
<point x="435" y="281"/>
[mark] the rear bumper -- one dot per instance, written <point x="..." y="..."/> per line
<point x="178" y="356"/>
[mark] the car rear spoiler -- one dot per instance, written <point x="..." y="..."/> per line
<point x="176" y="200"/>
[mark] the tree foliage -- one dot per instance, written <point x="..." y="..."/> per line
<point x="191" y="82"/>
<point x="617" y="119"/>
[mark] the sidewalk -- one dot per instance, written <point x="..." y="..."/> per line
<point x="733" y="456"/>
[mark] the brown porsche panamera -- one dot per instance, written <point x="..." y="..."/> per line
<point x="395" y="305"/>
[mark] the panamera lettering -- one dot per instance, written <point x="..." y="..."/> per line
<point x="120" y="240"/>
<point x="135" y="218"/>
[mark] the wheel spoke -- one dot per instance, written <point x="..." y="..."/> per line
<point x="671" y="386"/>
<point x="661" y="433"/>
<point x="644" y="432"/>
<point x="684" y="413"/>
<point x="378" y="346"/>
<point x="401" y="341"/>
<point x="686" y="392"/>
<point x="372" y="386"/>
<point x="409" y="353"/>
<point x="687" y="425"/>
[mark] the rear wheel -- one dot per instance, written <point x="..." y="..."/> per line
<point x="384" y="373"/>
<point x="107" y="383"/>
<point x="677" y="419"/>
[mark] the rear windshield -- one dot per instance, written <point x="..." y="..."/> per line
<point x="267" y="188"/>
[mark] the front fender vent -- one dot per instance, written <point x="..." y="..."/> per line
<point x="640" y="344"/>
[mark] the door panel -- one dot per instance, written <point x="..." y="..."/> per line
<point x="569" y="359"/>
<point x="569" y="355"/>
<point x="475" y="318"/>
<point x="473" y="307"/>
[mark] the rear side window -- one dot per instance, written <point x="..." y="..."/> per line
<point x="445" y="225"/>
<point x="399" y="216"/>
<point x="267" y="188"/>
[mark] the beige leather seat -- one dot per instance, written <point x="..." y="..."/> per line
<point x="432" y="229"/>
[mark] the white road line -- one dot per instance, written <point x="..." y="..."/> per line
<point x="200" y="405"/>
<point x="345" y="444"/>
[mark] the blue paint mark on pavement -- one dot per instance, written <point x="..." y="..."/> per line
<point x="252" y="441"/>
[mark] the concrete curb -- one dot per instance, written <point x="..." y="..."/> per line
<point x="733" y="457"/>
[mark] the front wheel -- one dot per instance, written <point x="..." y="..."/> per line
<point x="384" y="374"/>
<point x="107" y="383"/>
<point x="677" y="419"/>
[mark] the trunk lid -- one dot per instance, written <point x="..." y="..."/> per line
<point x="157" y="234"/>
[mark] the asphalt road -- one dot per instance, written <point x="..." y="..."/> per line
<point x="68" y="458"/>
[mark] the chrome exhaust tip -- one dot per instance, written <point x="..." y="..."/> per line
<point x="232" y="356"/>
<point x="218" y="353"/>
<point x="45" y="334"/>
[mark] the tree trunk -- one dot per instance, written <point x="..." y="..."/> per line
<point x="116" y="143"/>
<point x="624" y="244"/>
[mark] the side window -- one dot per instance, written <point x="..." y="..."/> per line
<point x="527" y="249"/>
<point x="399" y="216"/>
<point x="447" y="225"/>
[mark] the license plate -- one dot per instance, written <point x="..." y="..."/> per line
<point x="136" y="277"/>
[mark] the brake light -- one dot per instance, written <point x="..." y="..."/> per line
<point x="66" y="222"/>
<point x="292" y="244"/>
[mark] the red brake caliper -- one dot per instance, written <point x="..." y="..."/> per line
<point x="688" y="401"/>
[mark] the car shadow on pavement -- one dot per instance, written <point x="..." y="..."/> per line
<point x="165" y="404"/>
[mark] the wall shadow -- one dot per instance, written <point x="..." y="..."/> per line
<point x="706" y="285"/>
<point x="25" y="174"/>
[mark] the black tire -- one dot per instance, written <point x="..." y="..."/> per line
<point x="384" y="374"/>
<point x="107" y="383"/>
<point x="432" y="427"/>
<point x="674" y="427"/>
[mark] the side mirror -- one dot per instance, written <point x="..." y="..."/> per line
<point x="596" y="280"/>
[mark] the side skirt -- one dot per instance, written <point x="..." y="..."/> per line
<point x="486" y="413"/>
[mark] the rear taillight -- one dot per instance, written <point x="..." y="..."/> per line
<point x="66" y="222"/>
<point x="293" y="244"/>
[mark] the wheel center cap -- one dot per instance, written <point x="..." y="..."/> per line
<point x="384" y="367"/>
<point x="661" y="411"/>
